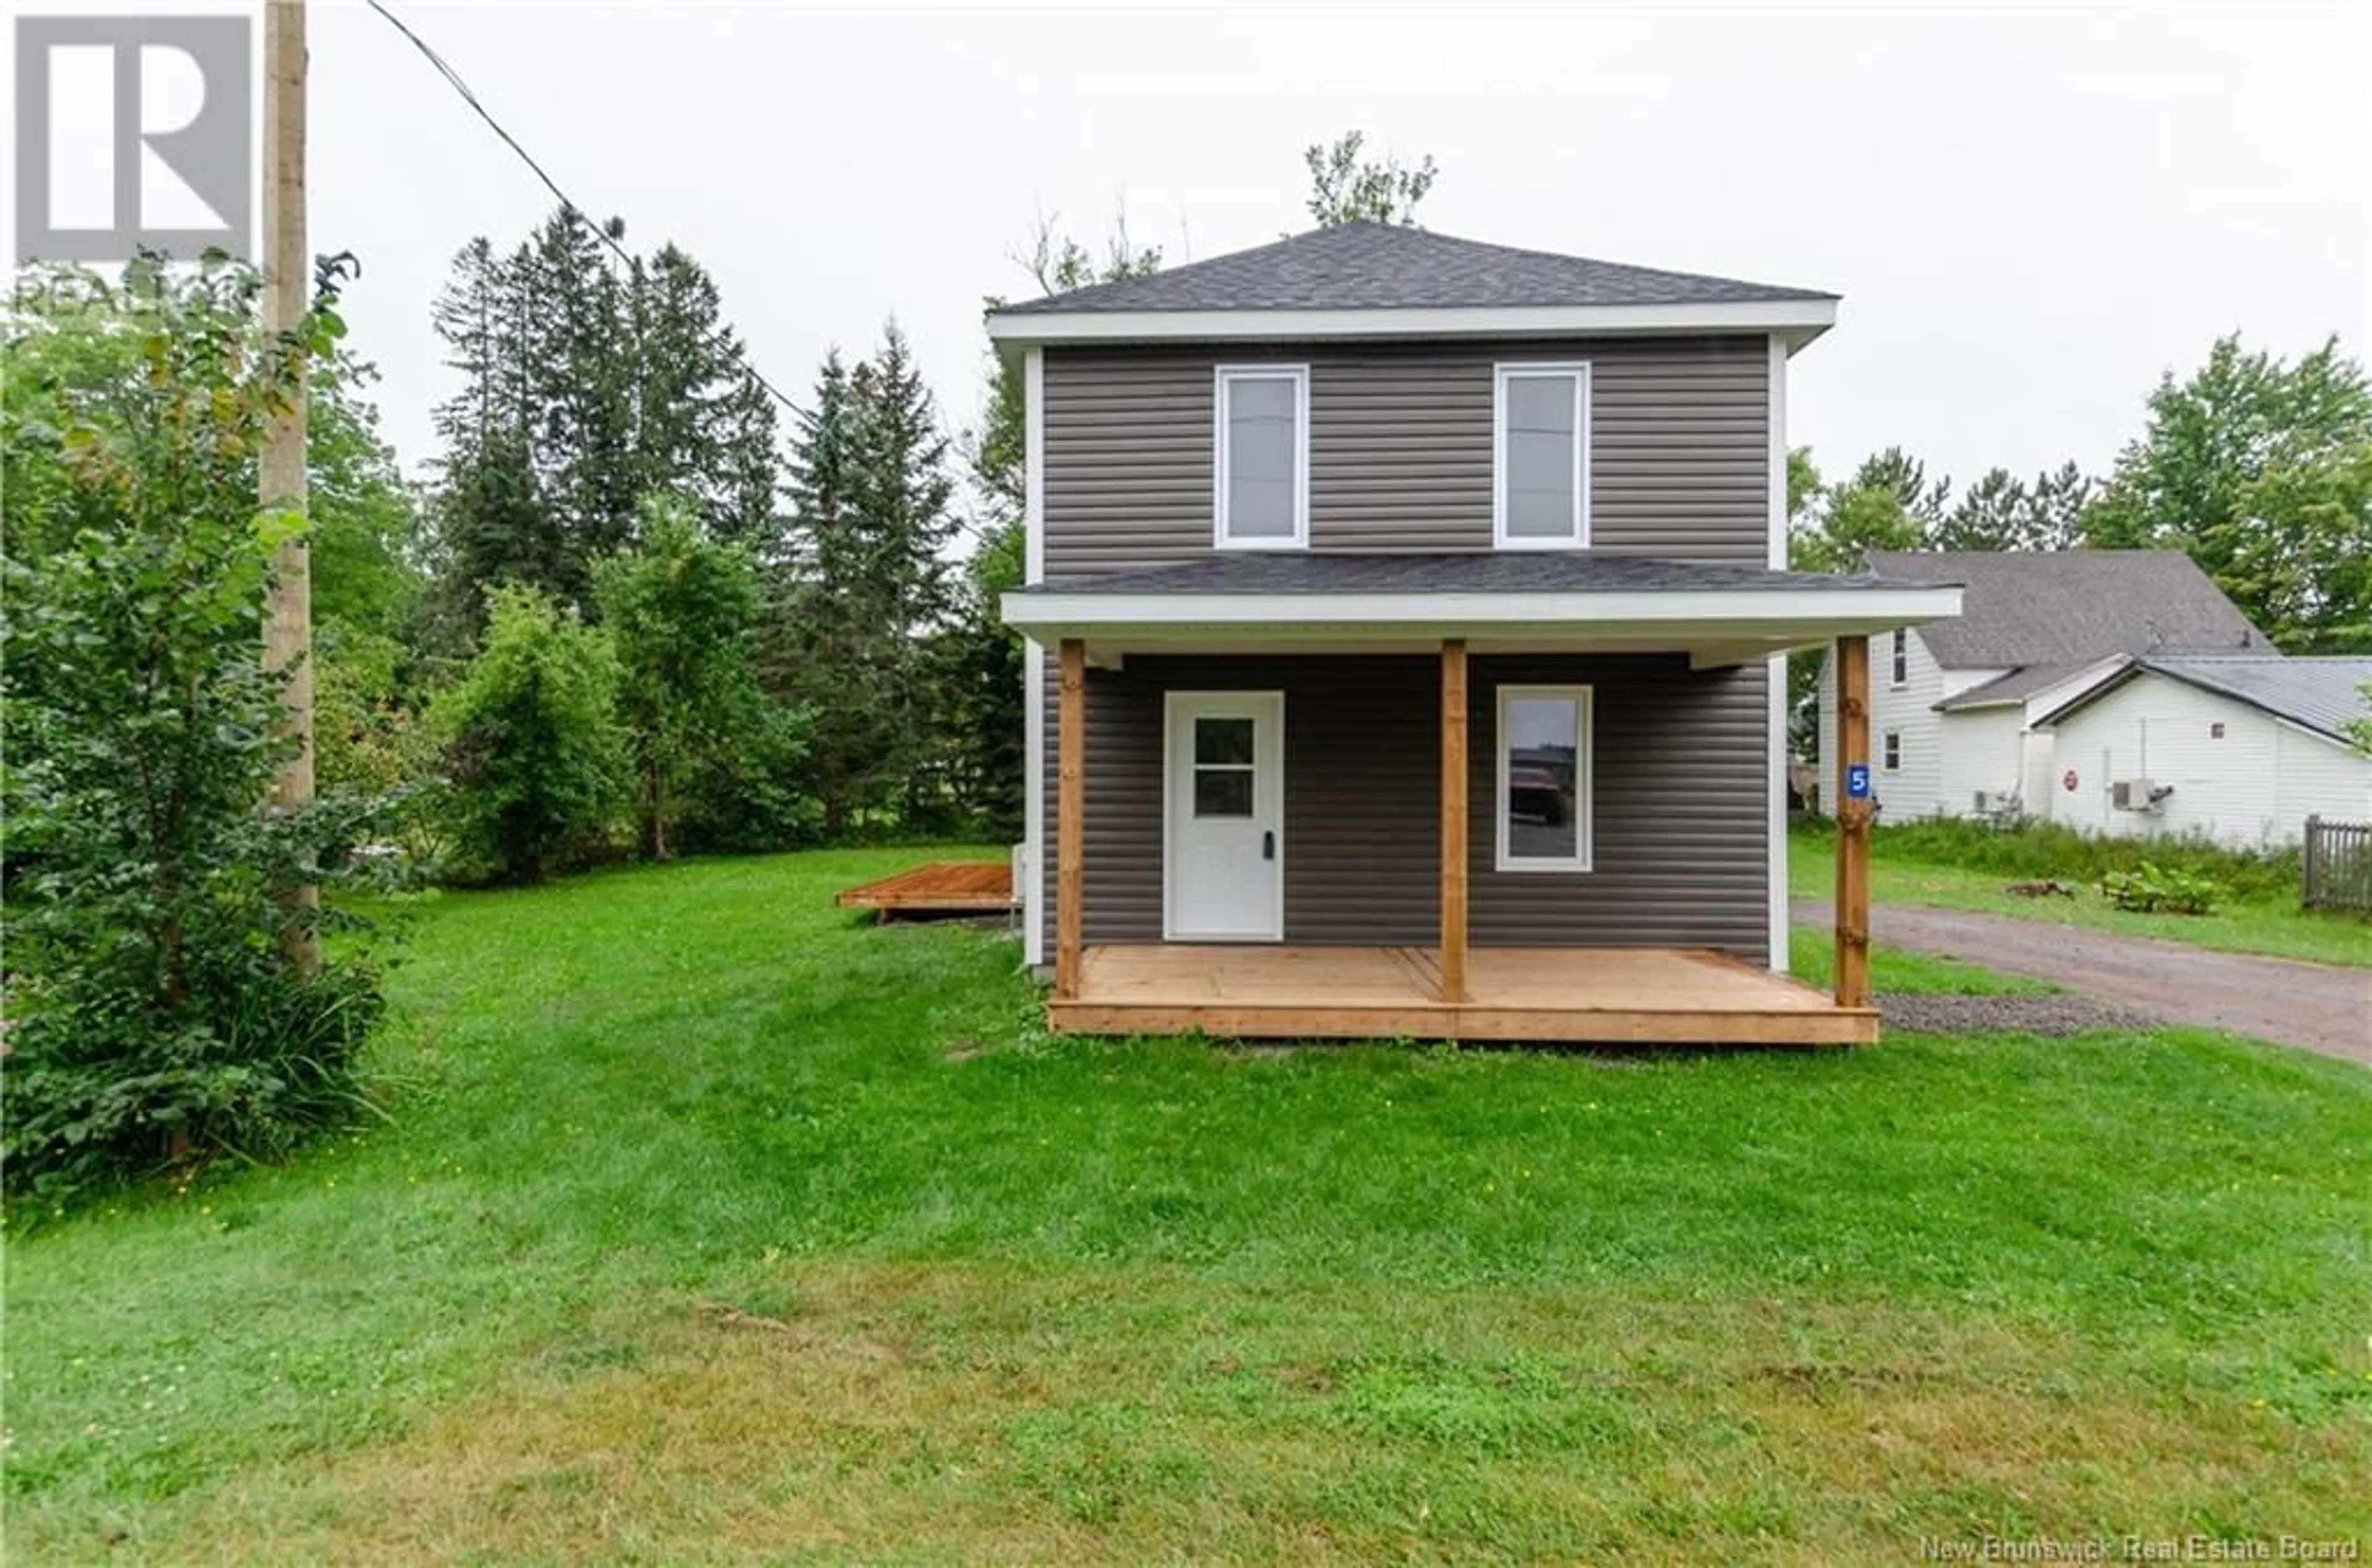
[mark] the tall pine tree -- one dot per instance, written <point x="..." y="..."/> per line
<point x="868" y="586"/>
<point x="589" y="384"/>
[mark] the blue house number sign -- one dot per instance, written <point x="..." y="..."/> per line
<point x="1857" y="780"/>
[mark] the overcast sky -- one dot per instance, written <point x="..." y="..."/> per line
<point x="2029" y="213"/>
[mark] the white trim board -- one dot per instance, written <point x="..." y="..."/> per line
<point x="1033" y="660"/>
<point x="1798" y="321"/>
<point x="1774" y="679"/>
<point x="1778" y="422"/>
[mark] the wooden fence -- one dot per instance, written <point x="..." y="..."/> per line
<point x="2338" y="864"/>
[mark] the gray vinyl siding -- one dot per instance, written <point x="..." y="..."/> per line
<point x="1400" y="446"/>
<point x="1679" y="774"/>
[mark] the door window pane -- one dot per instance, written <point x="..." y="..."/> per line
<point x="1223" y="740"/>
<point x="1542" y="440"/>
<point x="1223" y="792"/>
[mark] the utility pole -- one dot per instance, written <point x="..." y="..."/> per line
<point x="287" y="272"/>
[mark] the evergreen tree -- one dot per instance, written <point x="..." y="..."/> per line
<point x="904" y="492"/>
<point x="492" y="523"/>
<point x="588" y="384"/>
<point x="705" y="428"/>
<point x="868" y="585"/>
<point x="581" y="360"/>
<point x="828" y="642"/>
<point x="2001" y="512"/>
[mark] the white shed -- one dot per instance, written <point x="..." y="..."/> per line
<point x="2241" y="749"/>
<point x="1953" y="703"/>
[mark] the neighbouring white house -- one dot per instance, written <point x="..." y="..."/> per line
<point x="2241" y="749"/>
<point x="1956" y="705"/>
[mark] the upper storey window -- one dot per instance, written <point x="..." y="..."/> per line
<point x="1262" y="489"/>
<point x="1541" y="457"/>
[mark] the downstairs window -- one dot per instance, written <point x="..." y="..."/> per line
<point x="1543" y="778"/>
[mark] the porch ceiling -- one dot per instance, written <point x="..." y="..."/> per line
<point x="1575" y="601"/>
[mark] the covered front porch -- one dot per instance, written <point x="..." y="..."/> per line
<point x="1607" y="995"/>
<point x="1381" y="784"/>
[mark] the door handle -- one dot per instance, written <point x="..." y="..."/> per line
<point x="1268" y="845"/>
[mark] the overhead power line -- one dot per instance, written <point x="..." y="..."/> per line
<point x="453" y="78"/>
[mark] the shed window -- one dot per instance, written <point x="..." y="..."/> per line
<point x="1543" y="778"/>
<point x="1262" y="490"/>
<point x="1901" y="676"/>
<point x="1893" y="751"/>
<point x="1540" y="497"/>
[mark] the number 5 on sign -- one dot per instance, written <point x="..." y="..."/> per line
<point x="1857" y="780"/>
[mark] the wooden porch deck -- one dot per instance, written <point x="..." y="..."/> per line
<point x="942" y="887"/>
<point x="1599" y="995"/>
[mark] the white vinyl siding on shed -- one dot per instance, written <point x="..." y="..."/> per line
<point x="2256" y="784"/>
<point x="1981" y="752"/>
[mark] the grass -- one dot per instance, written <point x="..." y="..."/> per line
<point x="714" y="1225"/>
<point x="2272" y="925"/>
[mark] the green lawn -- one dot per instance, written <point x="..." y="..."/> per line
<point x="712" y="1224"/>
<point x="2280" y="930"/>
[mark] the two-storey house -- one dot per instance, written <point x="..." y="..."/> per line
<point x="1404" y="619"/>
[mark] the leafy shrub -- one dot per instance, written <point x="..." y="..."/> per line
<point x="374" y="749"/>
<point x="753" y="795"/>
<point x="536" y="762"/>
<point x="163" y="997"/>
<point x="716" y="764"/>
<point x="2038" y="850"/>
<point x="2152" y="890"/>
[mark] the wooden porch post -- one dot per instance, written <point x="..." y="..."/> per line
<point x="1070" y="816"/>
<point x="1852" y="823"/>
<point x="1453" y="820"/>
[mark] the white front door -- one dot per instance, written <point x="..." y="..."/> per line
<point x="1223" y="853"/>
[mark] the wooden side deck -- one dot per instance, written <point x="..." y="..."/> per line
<point x="1599" y="995"/>
<point x="944" y="886"/>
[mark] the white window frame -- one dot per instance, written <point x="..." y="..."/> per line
<point x="1889" y="753"/>
<point x="1897" y="658"/>
<point x="1579" y="370"/>
<point x="1583" y="768"/>
<point x="1299" y="376"/>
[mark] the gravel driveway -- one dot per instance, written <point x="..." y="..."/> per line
<point x="2322" y="1007"/>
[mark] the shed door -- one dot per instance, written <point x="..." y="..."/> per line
<point x="1223" y="871"/>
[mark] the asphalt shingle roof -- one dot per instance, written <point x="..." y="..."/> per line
<point x="1385" y="266"/>
<point x="2071" y="607"/>
<point x="1465" y="571"/>
<point x="2319" y="694"/>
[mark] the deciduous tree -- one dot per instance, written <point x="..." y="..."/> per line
<point x="1345" y="187"/>
<point x="156" y="1010"/>
<point x="678" y="609"/>
<point x="2257" y="466"/>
